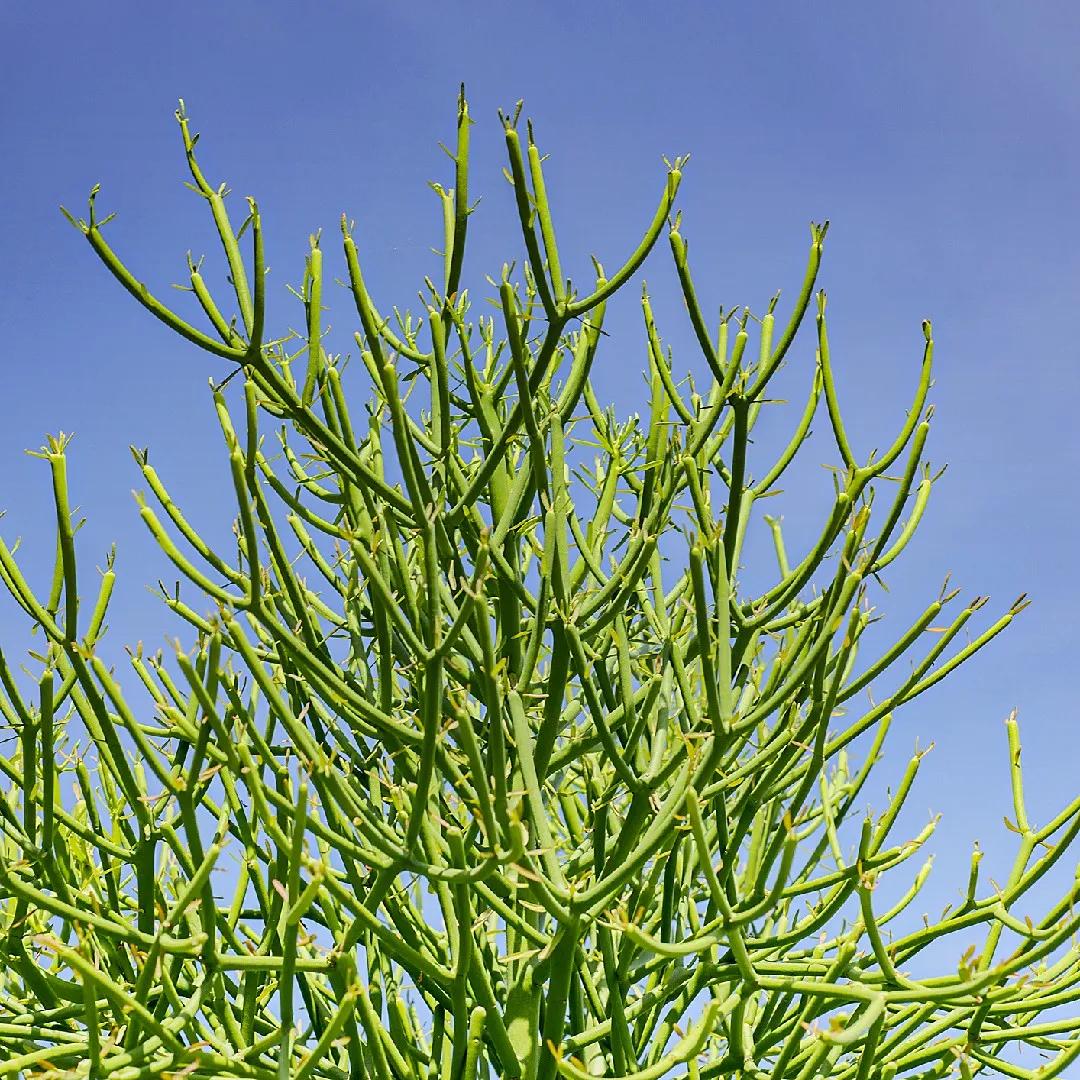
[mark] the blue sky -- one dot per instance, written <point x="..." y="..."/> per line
<point x="939" y="139"/>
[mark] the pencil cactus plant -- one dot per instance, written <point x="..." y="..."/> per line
<point x="484" y="761"/>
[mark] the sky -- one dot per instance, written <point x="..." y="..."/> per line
<point x="938" y="139"/>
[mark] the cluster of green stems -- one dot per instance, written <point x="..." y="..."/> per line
<point x="484" y="762"/>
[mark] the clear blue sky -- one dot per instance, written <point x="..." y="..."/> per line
<point x="940" y="139"/>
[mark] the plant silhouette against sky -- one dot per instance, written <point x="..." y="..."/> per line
<point x="485" y="761"/>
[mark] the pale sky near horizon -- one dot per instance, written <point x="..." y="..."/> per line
<point x="939" y="139"/>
